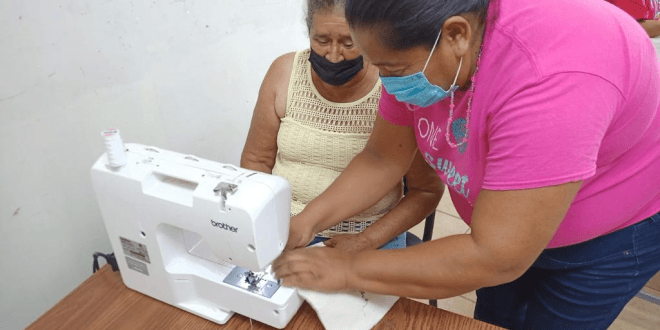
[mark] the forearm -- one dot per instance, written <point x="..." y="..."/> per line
<point x="510" y="229"/>
<point x="365" y="181"/>
<point x="441" y="268"/>
<point x="411" y="210"/>
<point x="438" y="269"/>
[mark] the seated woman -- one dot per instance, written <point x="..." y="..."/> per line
<point x="315" y="112"/>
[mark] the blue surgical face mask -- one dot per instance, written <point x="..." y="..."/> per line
<point x="416" y="89"/>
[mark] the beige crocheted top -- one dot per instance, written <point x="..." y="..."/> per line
<point x="318" y="138"/>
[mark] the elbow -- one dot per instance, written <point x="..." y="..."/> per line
<point x="437" y="190"/>
<point x="502" y="267"/>
<point x="433" y="193"/>
<point x="504" y="273"/>
<point x="426" y="200"/>
<point x="251" y="162"/>
<point x="246" y="163"/>
<point x="246" y="158"/>
<point x="243" y="162"/>
<point x="433" y="200"/>
<point x="434" y="186"/>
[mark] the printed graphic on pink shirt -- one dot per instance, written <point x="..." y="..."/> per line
<point x="451" y="163"/>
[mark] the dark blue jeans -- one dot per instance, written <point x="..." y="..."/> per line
<point x="582" y="286"/>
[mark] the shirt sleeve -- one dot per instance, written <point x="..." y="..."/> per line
<point x="549" y="133"/>
<point x="393" y="111"/>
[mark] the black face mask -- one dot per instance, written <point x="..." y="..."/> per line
<point x="335" y="73"/>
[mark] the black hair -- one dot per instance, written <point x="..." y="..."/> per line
<point x="404" y="24"/>
<point x="314" y="6"/>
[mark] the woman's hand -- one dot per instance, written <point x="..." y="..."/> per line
<point x="316" y="268"/>
<point x="300" y="234"/>
<point x="370" y="175"/>
<point x="349" y="243"/>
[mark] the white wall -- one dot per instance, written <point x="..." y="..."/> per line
<point x="178" y="74"/>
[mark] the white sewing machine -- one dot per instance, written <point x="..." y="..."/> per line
<point x="196" y="234"/>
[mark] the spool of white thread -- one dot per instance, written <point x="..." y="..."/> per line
<point x="114" y="147"/>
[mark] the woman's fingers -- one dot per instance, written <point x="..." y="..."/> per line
<point x="296" y="269"/>
<point x="317" y="268"/>
<point x="291" y="262"/>
<point x="304" y="280"/>
<point x="293" y="267"/>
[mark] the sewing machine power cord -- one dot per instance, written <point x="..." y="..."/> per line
<point x="109" y="258"/>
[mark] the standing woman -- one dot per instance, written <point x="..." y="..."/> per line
<point x="542" y="118"/>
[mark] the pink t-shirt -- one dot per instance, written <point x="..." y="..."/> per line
<point x="567" y="90"/>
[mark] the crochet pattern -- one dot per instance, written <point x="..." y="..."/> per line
<point x="318" y="138"/>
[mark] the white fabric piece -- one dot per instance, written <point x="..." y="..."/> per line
<point x="348" y="310"/>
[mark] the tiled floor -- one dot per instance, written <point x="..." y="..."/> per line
<point x="637" y="315"/>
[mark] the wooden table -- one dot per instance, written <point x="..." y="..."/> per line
<point x="104" y="302"/>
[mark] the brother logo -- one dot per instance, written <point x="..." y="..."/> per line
<point x="224" y="226"/>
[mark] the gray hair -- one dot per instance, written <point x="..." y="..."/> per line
<point x="315" y="6"/>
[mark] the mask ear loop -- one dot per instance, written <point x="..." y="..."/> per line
<point x="429" y="59"/>
<point x="457" y="72"/>
<point x="432" y="49"/>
